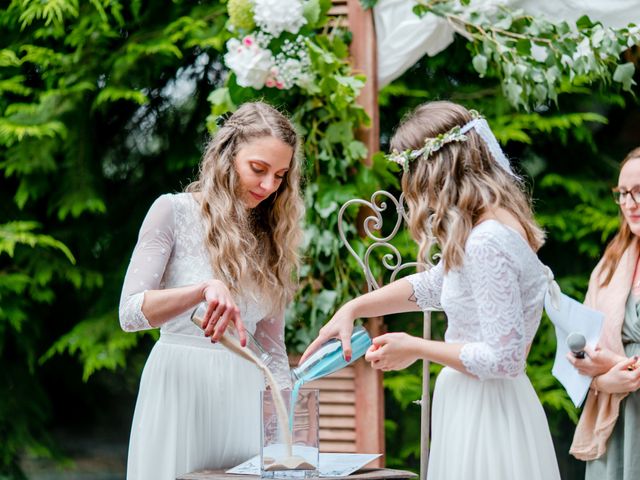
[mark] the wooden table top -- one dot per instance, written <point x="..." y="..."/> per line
<point x="362" y="474"/>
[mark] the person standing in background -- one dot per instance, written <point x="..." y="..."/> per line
<point x="608" y="434"/>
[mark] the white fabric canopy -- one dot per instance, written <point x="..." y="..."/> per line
<point x="403" y="38"/>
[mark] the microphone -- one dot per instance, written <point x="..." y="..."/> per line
<point x="576" y="343"/>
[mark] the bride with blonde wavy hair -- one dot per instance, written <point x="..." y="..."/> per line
<point x="228" y="244"/>
<point x="464" y="199"/>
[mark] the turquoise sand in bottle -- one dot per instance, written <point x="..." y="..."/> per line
<point x="329" y="359"/>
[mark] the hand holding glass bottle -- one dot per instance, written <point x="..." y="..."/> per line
<point x="329" y="357"/>
<point x="221" y="311"/>
<point x="341" y="327"/>
<point x="231" y="331"/>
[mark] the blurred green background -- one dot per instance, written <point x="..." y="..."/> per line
<point x="105" y="105"/>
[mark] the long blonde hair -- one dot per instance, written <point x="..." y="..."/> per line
<point x="621" y="241"/>
<point x="258" y="246"/>
<point x="449" y="191"/>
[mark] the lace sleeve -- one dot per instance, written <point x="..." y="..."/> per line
<point x="427" y="287"/>
<point x="494" y="284"/>
<point x="147" y="263"/>
<point x="270" y="334"/>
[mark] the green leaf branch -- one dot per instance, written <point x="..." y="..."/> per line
<point x="534" y="58"/>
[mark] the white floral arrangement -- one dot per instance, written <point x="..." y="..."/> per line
<point x="252" y="57"/>
<point x="277" y="16"/>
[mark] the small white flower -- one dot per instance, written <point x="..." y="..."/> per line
<point x="277" y="16"/>
<point x="249" y="62"/>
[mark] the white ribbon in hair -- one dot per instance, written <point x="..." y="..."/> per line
<point x="483" y="129"/>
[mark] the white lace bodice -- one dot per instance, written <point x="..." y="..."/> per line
<point x="171" y="253"/>
<point x="493" y="302"/>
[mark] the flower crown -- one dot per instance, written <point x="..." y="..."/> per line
<point x="431" y="145"/>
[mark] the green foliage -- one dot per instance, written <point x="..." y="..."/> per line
<point x="97" y="343"/>
<point x="90" y="93"/>
<point x="23" y="405"/>
<point x="51" y="11"/>
<point x="534" y="57"/>
<point x="106" y="104"/>
<point x="241" y="14"/>
<point x="14" y="233"/>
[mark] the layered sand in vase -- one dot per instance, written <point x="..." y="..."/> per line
<point x="290" y="461"/>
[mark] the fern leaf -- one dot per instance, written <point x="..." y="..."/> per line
<point x="15" y="85"/>
<point x="12" y="132"/>
<point x="53" y="12"/>
<point x="22" y="233"/>
<point x="8" y="58"/>
<point x="43" y="56"/>
<point x="161" y="47"/>
<point x="98" y="342"/>
<point x="114" y="94"/>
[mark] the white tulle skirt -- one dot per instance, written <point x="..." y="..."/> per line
<point x="198" y="407"/>
<point x="489" y="430"/>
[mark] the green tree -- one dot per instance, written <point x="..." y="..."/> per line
<point x="103" y="107"/>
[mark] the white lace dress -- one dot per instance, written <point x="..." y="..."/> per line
<point x="488" y="423"/>
<point x="198" y="405"/>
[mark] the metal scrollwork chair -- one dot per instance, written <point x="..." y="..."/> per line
<point x="371" y="230"/>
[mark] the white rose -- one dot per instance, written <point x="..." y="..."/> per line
<point x="249" y="62"/>
<point x="277" y="16"/>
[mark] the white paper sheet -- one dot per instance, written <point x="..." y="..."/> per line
<point x="572" y="317"/>
<point x="331" y="464"/>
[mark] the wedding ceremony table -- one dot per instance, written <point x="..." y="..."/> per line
<point x="362" y="474"/>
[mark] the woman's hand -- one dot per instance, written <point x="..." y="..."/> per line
<point x="340" y="326"/>
<point x="596" y="361"/>
<point x="221" y="310"/>
<point x="622" y="378"/>
<point x="393" y="351"/>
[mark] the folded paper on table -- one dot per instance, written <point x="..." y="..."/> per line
<point x="570" y="316"/>
<point x="331" y="464"/>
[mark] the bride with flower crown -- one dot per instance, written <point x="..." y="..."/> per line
<point x="464" y="198"/>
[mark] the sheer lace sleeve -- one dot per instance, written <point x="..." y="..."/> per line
<point x="427" y="287"/>
<point x="147" y="263"/>
<point x="270" y="334"/>
<point x="493" y="277"/>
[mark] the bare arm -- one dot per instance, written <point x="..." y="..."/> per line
<point x="623" y="377"/>
<point x="394" y="298"/>
<point x="397" y="350"/>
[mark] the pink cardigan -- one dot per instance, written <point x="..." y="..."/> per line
<point x="601" y="411"/>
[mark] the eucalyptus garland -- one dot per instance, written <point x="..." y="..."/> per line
<point x="534" y="58"/>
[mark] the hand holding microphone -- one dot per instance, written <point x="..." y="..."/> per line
<point x="576" y="343"/>
<point x="590" y="361"/>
